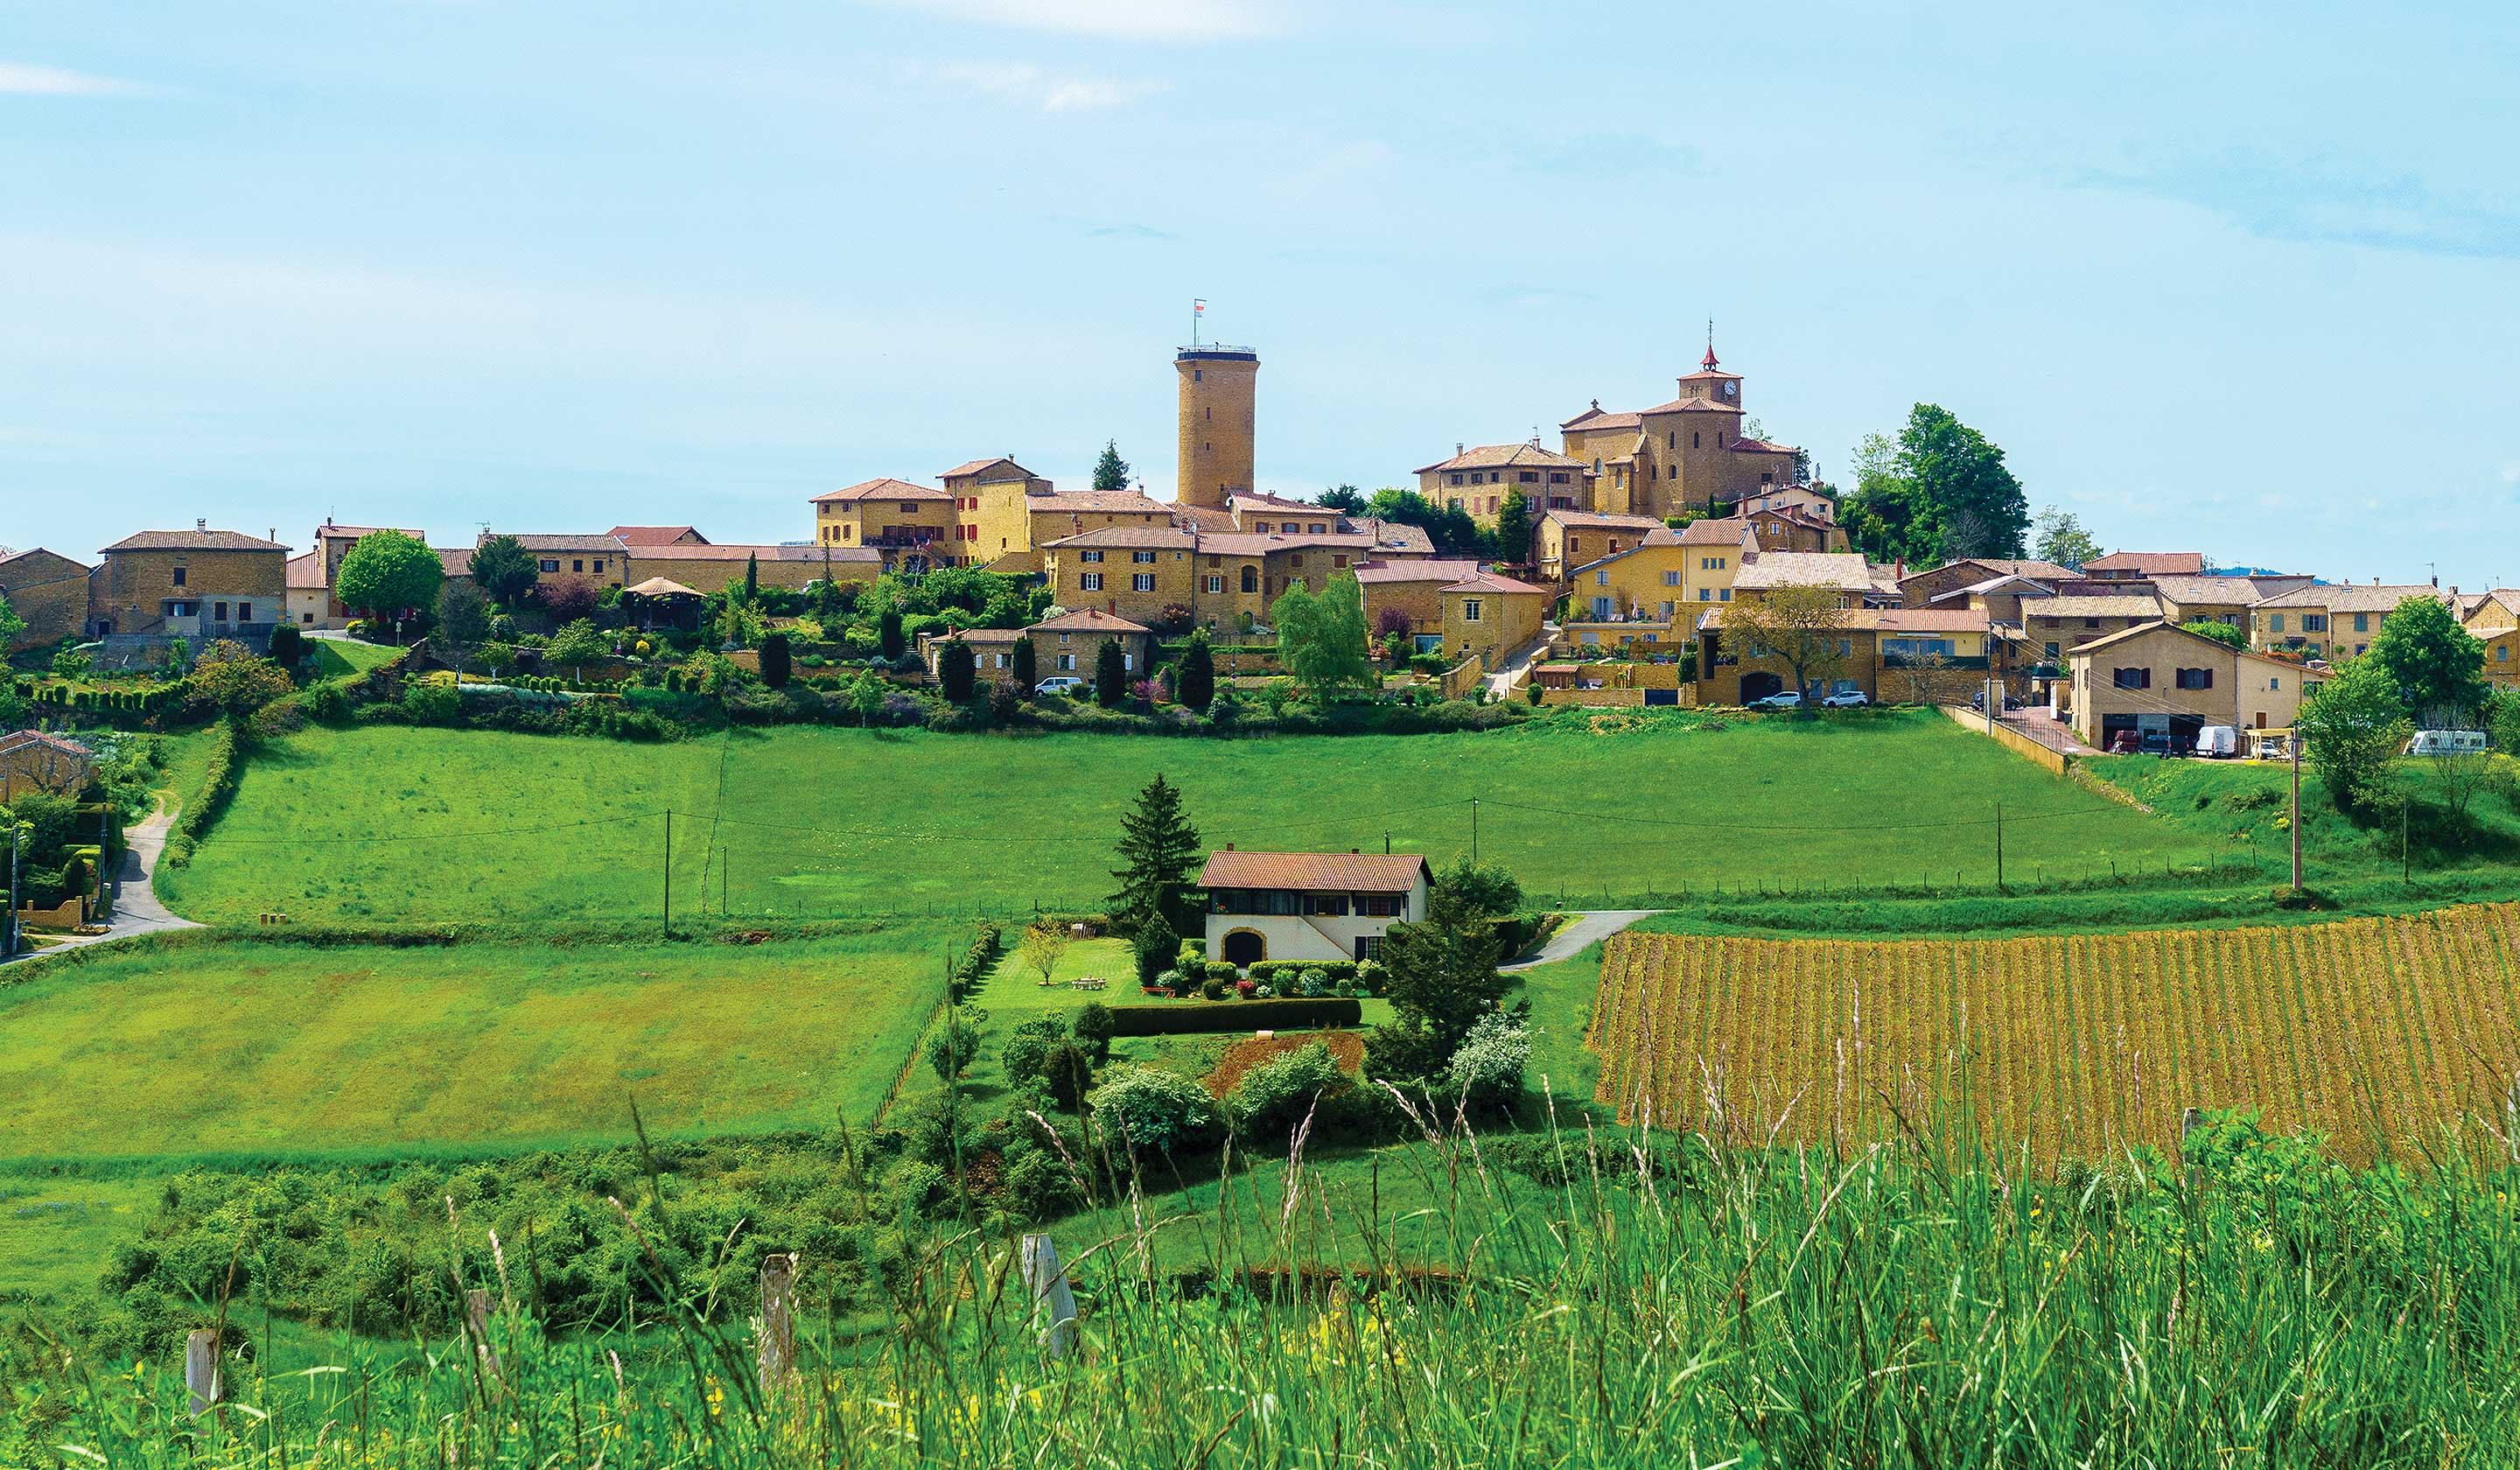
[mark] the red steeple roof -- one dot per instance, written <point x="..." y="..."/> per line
<point x="1708" y="361"/>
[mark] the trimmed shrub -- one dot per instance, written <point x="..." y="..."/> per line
<point x="1094" y="1028"/>
<point x="1285" y="1014"/>
<point x="1274" y="1096"/>
<point x="1149" y="1110"/>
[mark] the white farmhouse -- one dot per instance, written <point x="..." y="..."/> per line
<point x="1308" y="906"/>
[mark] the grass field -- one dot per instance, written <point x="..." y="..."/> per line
<point x="334" y="656"/>
<point x="412" y="825"/>
<point x="2378" y="1033"/>
<point x="210" y="1045"/>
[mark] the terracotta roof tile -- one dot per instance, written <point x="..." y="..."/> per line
<point x="638" y="536"/>
<point x="1504" y="456"/>
<point x="194" y="541"/>
<point x="1097" y="502"/>
<point x="1321" y="872"/>
<point x="1601" y="521"/>
<point x="1490" y="582"/>
<point x="2142" y="604"/>
<point x="1160" y="537"/>
<point x="331" y="532"/>
<point x="306" y="573"/>
<point x="1845" y="570"/>
<point x="1087" y="620"/>
<point x="564" y="543"/>
<point x="799" y="550"/>
<point x="975" y="467"/>
<point x="2350" y="597"/>
<point x="1375" y="573"/>
<point x="881" y="489"/>
<point x="1722" y="530"/>
<point x="2176" y="564"/>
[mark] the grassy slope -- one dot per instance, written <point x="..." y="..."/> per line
<point x="334" y="656"/>
<point x="204" y="1046"/>
<point x="822" y="822"/>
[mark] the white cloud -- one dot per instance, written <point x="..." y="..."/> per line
<point x="1130" y="20"/>
<point x="20" y="79"/>
<point x="2511" y="474"/>
<point x="1033" y="86"/>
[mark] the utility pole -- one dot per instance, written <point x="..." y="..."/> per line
<point x="2294" y="741"/>
<point x="1998" y="847"/>
<point x="2406" y="858"/>
<point x="1474" y="831"/>
<point x="12" y="949"/>
<point x="668" y="910"/>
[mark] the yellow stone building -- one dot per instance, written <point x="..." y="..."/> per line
<point x="1690" y="454"/>
<point x="1566" y="539"/>
<point x="910" y="526"/>
<point x="1662" y="577"/>
<point x="2494" y="621"/>
<point x="1889" y="654"/>
<point x="1492" y="616"/>
<point x="1162" y="575"/>
<point x="2335" y="621"/>
<point x="1410" y="589"/>
<point x="1477" y="480"/>
<point x="1219" y="387"/>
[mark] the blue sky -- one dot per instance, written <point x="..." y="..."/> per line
<point x="2243" y="279"/>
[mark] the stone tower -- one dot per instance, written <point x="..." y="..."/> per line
<point x="1216" y="390"/>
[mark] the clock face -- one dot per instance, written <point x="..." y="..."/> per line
<point x="1731" y="388"/>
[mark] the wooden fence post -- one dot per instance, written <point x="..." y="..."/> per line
<point x="477" y="1316"/>
<point x="776" y="1333"/>
<point x="1050" y="1292"/>
<point x="201" y="1368"/>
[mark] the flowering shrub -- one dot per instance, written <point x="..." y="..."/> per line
<point x="1149" y="1110"/>
<point x="1488" y="1064"/>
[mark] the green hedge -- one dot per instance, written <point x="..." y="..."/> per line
<point x="1191" y="1017"/>
<point x="973" y="966"/>
<point x="203" y="807"/>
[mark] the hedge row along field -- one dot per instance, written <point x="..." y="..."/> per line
<point x="2380" y="1034"/>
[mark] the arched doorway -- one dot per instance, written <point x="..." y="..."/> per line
<point x="1244" y="947"/>
<point x="1760" y="685"/>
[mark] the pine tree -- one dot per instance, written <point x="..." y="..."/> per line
<point x="1026" y="667"/>
<point x="1514" y="528"/>
<point x="1110" y="471"/>
<point x="1443" y="978"/>
<point x="752" y="577"/>
<point x="1158" y="947"/>
<point x="1157" y="846"/>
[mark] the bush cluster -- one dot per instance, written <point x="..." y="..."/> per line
<point x="973" y="966"/>
<point x="1283" y="1013"/>
<point x="202" y="808"/>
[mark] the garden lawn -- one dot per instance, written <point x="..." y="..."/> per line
<point x="402" y="823"/>
<point x="204" y="1045"/>
<point x="336" y="656"/>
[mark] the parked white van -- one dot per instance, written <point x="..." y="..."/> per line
<point x="2218" y="742"/>
<point x="2447" y="742"/>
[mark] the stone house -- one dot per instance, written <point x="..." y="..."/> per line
<point x="993" y="652"/>
<point x="2161" y="681"/>
<point x="199" y="584"/>
<point x="1492" y="616"/>
<point x="1889" y="654"/>
<point x="2142" y="566"/>
<point x="911" y="527"/>
<point x="711" y="569"/>
<point x="1689" y="454"/>
<point x="33" y="760"/>
<point x="563" y="563"/>
<point x="1568" y="539"/>
<point x="1072" y="643"/>
<point x="2334" y="621"/>
<point x="651" y="537"/>
<point x="49" y="592"/>
<point x="2054" y="627"/>
<point x="1412" y="588"/>
<point x="1477" y="480"/>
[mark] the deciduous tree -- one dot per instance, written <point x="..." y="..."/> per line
<point x="2206" y="627"/>
<point x="2352" y="730"/>
<point x="1321" y="639"/>
<point x="389" y="577"/>
<point x="2436" y="666"/>
<point x="1801" y="627"/>
<point x="1042" y="945"/>
<point x="231" y="680"/>
<point x="2063" y="540"/>
<point x="573" y="646"/>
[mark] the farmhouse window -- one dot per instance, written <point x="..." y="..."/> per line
<point x="1457" y="480"/>
<point x="1378" y="904"/>
<point x="1089" y="581"/>
<point x="1671" y="579"/>
<point x="2132" y="678"/>
<point x="551" y="564"/>
<point x="1066" y="662"/>
<point x="1528" y="476"/>
<point x="1143" y="582"/>
<point x="2314" y="622"/>
<point x="577" y="563"/>
<point x="599" y="566"/>
<point x="1250" y="579"/>
<point x="1469" y="609"/>
<point x="219" y="613"/>
<point x="2274" y="622"/>
<point x="179" y="576"/>
<point x="2197" y="678"/>
<point x="2361" y="622"/>
<point x="1142" y="558"/>
<point x="1215" y="584"/>
<point x="1089" y="556"/>
<point x="245" y="612"/>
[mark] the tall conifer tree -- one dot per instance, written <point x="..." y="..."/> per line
<point x="1157" y="850"/>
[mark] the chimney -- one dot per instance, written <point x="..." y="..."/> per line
<point x="200" y="523"/>
<point x="1229" y="847"/>
<point x="1459" y="449"/>
<point x="272" y="535"/>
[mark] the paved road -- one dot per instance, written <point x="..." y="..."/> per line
<point x="136" y="906"/>
<point x="1499" y="683"/>
<point x="1586" y="929"/>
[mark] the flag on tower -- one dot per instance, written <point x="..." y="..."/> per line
<point x="1198" y="308"/>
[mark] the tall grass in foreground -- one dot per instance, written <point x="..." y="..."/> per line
<point x="1637" y="1300"/>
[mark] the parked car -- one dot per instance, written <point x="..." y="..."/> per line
<point x="1979" y="701"/>
<point x="1782" y="699"/>
<point x="1058" y="683"/>
<point x="1847" y="700"/>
